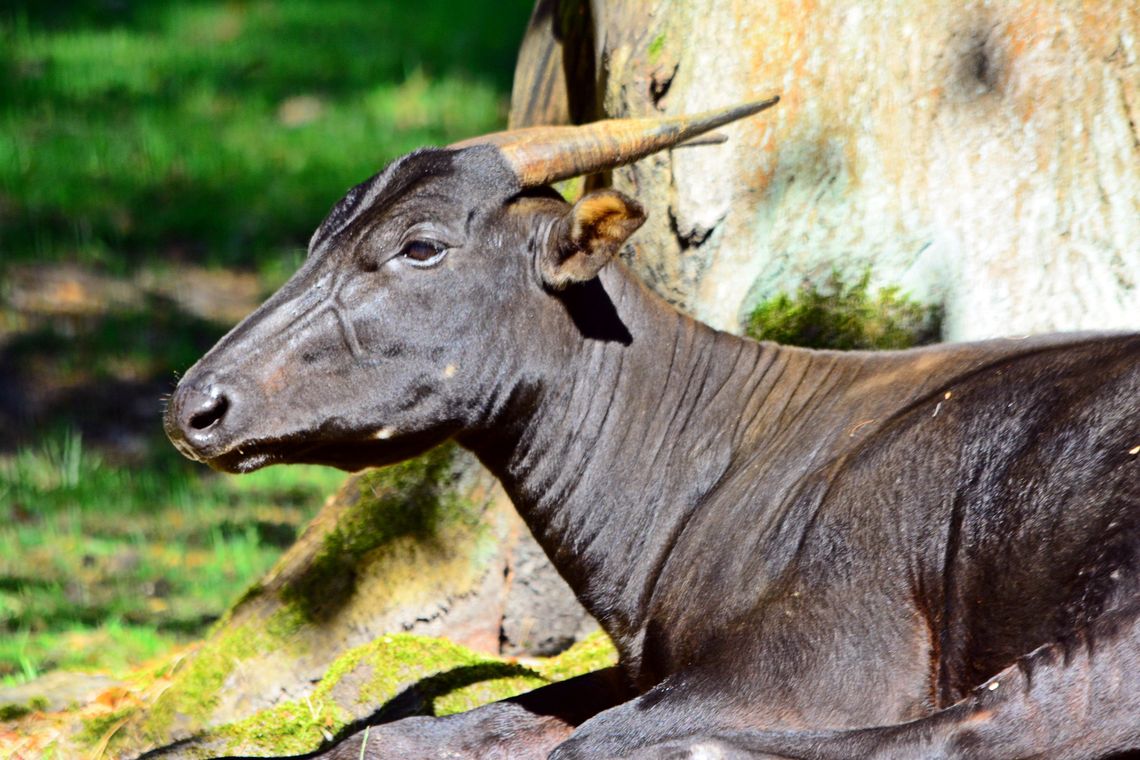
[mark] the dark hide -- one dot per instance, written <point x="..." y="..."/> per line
<point x="787" y="546"/>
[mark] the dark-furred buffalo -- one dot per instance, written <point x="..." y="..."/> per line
<point x="809" y="554"/>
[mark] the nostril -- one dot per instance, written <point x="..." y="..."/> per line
<point x="212" y="410"/>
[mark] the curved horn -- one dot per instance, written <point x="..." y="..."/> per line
<point x="542" y="155"/>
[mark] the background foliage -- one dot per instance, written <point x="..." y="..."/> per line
<point x="162" y="165"/>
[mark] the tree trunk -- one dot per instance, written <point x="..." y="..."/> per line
<point x="983" y="156"/>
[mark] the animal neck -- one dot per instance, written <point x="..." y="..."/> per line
<point x="611" y="451"/>
<point x="635" y="461"/>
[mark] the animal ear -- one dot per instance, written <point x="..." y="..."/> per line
<point x="588" y="237"/>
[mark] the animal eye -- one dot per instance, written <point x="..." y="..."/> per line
<point x="422" y="253"/>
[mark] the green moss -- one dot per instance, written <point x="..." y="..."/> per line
<point x="402" y="658"/>
<point x="494" y="682"/>
<point x="435" y="675"/>
<point x="292" y="728"/>
<point x="372" y="674"/>
<point x="594" y="652"/>
<point x="284" y="623"/>
<point x="656" y="46"/>
<point x="846" y="316"/>
<point x="504" y="680"/>
<point x="97" y="727"/>
<point x="412" y="499"/>
<point x="14" y="712"/>
<point x="403" y="674"/>
<point x="195" y="692"/>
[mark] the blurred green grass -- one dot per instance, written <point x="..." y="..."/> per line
<point x="222" y="131"/>
<point x="102" y="566"/>
<point x="140" y="141"/>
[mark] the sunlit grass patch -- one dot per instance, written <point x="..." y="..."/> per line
<point x="103" y="566"/>
<point x="223" y="132"/>
<point x="109" y="646"/>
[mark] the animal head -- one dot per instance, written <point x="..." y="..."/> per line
<point x="429" y="293"/>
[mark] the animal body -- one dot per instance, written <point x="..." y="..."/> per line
<point x="809" y="554"/>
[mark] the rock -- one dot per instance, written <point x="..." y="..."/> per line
<point x="541" y="615"/>
<point x="54" y="692"/>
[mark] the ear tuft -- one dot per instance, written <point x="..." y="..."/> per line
<point x="589" y="237"/>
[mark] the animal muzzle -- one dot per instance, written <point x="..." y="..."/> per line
<point x="197" y="415"/>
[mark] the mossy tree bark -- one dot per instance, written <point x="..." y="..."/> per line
<point x="982" y="156"/>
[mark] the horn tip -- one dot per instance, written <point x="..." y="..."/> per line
<point x="756" y="106"/>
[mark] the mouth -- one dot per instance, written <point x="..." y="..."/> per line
<point x="245" y="457"/>
<point x="243" y="460"/>
<point x="255" y="454"/>
<point x="348" y="454"/>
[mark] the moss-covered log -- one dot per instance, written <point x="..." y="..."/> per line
<point x="388" y="678"/>
<point x="429" y="547"/>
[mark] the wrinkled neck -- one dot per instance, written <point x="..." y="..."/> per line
<point x="636" y="462"/>
<point x="608" y="453"/>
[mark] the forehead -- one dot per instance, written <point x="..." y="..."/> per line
<point x="455" y="178"/>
